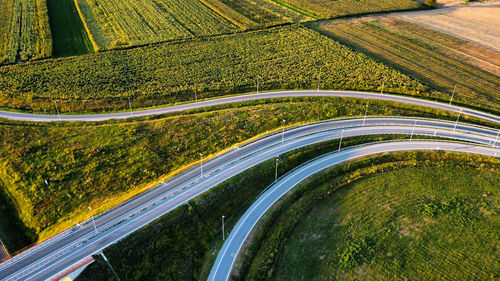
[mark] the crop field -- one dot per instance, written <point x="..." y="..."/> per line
<point x="288" y="57"/>
<point x="415" y="224"/>
<point x="438" y="59"/>
<point x="102" y="164"/>
<point x="337" y="8"/>
<point x="249" y="14"/>
<point x="120" y="23"/>
<point x="477" y="22"/>
<point x="68" y="33"/>
<point x="24" y="31"/>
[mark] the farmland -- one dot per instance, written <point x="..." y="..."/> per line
<point x="191" y="235"/>
<point x="68" y="33"/>
<point x="387" y="224"/>
<point x="249" y="14"/>
<point x="337" y="8"/>
<point x="288" y="57"/>
<point x="438" y="59"/>
<point x="123" y="23"/>
<point x="24" y="31"/>
<point x="476" y="22"/>
<point x="102" y="164"/>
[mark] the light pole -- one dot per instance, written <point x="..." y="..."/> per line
<point x="366" y="111"/>
<point x="453" y="93"/>
<point x="109" y="264"/>
<point x="283" y="131"/>
<point x="130" y="106"/>
<point x="92" y="216"/>
<point x="454" y="127"/>
<point x="276" y="170"/>
<point x="319" y="79"/>
<point x="57" y="110"/>
<point x="195" y="93"/>
<point x="496" y="138"/>
<point x="413" y="130"/>
<point x="341" y="136"/>
<point x="223" y="228"/>
<point x="258" y="80"/>
<point x="382" y="90"/>
<point x="201" y="164"/>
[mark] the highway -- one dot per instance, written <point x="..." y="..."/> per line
<point x="231" y="247"/>
<point x="54" y="255"/>
<point x="241" y="98"/>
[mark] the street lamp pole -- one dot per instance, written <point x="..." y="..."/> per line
<point x="366" y="111"/>
<point x="201" y="164"/>
<point x="341" y="136"/>
<point x="276" y="170"/>
<point x="496" y="138"/>
<point x="454" y="127"/>
<point x="413" y="130"/>
<point x="57" y="110"/>
<point x="453" y="93"/>
<point x="223" y="228"/>
<point x="92" y="216"/>
<point x="283" y="132"/>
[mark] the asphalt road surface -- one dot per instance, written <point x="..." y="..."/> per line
<point x="54" y="255"/>
<point x="231" y="247"/>
<point x="240" y="98"/>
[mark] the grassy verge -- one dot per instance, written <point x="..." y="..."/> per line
<point x="440" y="60"/>
<point x="68" y="32"/>
<point x="286" y="57"/>
<point x="396" y="216"/>
<point x="103" y="164"/>
<point x="190" y="237"/>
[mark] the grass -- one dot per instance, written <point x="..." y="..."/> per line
<point x="425" y="216"/>
<point x="338" y="8"/>
<point x="190" y="236"/>
<point x="437" y="59"/>
<point x="68" y="32"/>
<point x="130" y="23"/>
<point x="288" y="57"/>
<point x="103" y="164"/>
<point x="24" y="31"/>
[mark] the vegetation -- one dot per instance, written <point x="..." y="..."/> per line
<point x="338" y="8"/>
<point x="249" y="14"/>
<point x="123" y="23"/>
<point x="24" y="31"/>
<point x="200" y="223"/>
<point x="410" y="216"/>
<point x="103" y="164"/>
<point x="68" y="33"/>
<point x="289" y="57"/>
<point x="440" y="60"/>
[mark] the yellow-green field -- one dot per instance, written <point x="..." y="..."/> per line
<point x="120" y="23"/>
<point x="24" y="30"/>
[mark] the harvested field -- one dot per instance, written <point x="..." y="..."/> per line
<point x="438" y="59"/>
<point x="337" y="8"/>
<point x="24" y="30"/>
<point x="477" y="22"/>
<point x="122" y="23"/>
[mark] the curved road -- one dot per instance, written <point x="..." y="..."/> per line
<point x="249" y="97"/>
<point x="54" y="255"/>
<point x="231" y="247"/>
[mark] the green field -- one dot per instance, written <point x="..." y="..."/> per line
<point x="439" y="60"/>
<point x="103" y="164"/>
<point x="338" y="8"/>
<point x="24" y="31"/>
<point x="120" y="23"/>
<point x="289" y="57"/>
<point x="190" y="236"/>
<point x="68" y="33"/>
<point x="431" y="220"/>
